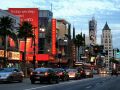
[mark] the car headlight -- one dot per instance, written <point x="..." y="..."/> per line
<point x="6" y="75"/>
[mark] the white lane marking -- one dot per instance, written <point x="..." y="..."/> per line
<point x="55" y="84"/>
<point x="38" y="87"/>
<point x="60" y="84"/>
<point x="88" y="86"/>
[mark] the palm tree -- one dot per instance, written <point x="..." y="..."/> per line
<point x="25" y="31"/>
<point x="79" y="41"/>
<point x="113" y="60"/>
<point x="6" y="28"/>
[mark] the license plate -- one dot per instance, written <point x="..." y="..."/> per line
<point x="37" y="77"/>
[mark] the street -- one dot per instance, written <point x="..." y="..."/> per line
<point x="96" y="83"/>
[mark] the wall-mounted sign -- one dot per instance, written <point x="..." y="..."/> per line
<point x="13" y="55"/>
<point x="31" y="15"/>
<point x="53" y="36"/>
<point x="2" y="53"/>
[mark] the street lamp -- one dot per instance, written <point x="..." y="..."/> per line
<point x="59" y="53"/>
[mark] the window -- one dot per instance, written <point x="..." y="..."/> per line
<point x="105" y="40"/>
<point x="41" y="35"/>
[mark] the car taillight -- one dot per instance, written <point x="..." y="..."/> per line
<point x="81" y="71"/>
<point x="46" y="73"/>
<point x="60" y="73"/>
<point x="31" y="73"/>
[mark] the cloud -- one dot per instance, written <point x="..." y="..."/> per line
<point x="5" y="4"/>
<point x="80" y="7"/>
<point x="77" y="12"/>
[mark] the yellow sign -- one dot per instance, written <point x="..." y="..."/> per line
<point x="1" y="53"/>
<point x="13" y="55"/>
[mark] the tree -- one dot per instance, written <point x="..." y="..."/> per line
<point x="25" y="31"/>
<point x="113" y="60"/>
<point x="79" y="41"/>
<point x="6" y="28"/>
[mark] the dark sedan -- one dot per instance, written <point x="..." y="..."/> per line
<point x="44" y="75"/>
<point x="11" y="74"/>
<point x="62" y="74"/>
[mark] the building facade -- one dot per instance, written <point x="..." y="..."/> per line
<point x="92" y="31"/>
<point x="63" y="36"/>
<point x="12" y="46"/>
<point x="44" y="41"/>
<point x="106" y="41"/>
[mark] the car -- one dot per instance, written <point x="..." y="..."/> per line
<point x="114" y="72"/>
<point x="62" y="74"/>
<point x="89" y="73"/>
<point x="73" y="74"/>
<point x="44" y="75"/>
<point x="11" y="74"/>
<point x="82" y="73"/>
<point x="103" y="72"/>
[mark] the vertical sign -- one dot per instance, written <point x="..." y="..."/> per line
<point x="31" y="15"/>
<point x="53" y="36"/>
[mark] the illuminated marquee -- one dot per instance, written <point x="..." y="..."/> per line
<point x="53" y="36"/>
<point x="10" y="55"/>
<point x="13" y="55"/>
<point x="1" y="53"/>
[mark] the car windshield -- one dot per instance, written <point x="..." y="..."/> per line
<point x="41" y="69"/>
<point x="6" y="70"/>
<point x="58" y="69"/>
<point x="71" y="70"/>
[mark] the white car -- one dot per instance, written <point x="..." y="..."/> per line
<point x="11" y="74"/>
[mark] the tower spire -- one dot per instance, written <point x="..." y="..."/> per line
<point x="106" y="27"/>
<point x="73" y="32"/>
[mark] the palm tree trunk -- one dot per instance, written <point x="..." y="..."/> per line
<point x="24" y="61"/>
<point x="5" y="50"/>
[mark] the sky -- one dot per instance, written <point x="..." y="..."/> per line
<point x="78" y="13"/>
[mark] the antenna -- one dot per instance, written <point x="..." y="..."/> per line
<point x="51" y="7"/>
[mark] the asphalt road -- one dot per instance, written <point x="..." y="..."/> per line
<point x="96" y="83"/>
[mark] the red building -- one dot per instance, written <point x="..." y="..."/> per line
<point x="32" y="15"/>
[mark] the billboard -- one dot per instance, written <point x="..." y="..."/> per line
<point x="31" y="15"/>
<point x="13" y="55"/>
<point x="53" y="36"/>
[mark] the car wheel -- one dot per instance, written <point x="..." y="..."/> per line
<point x="32" y="82"/>
<point x="10" y="79"/>
<point x="64" y="78"/>
<point x="50" y="81"/>
<point x="20" y="81"/>
<point x="57" y="80"/>
<point x="68" y="78"/>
